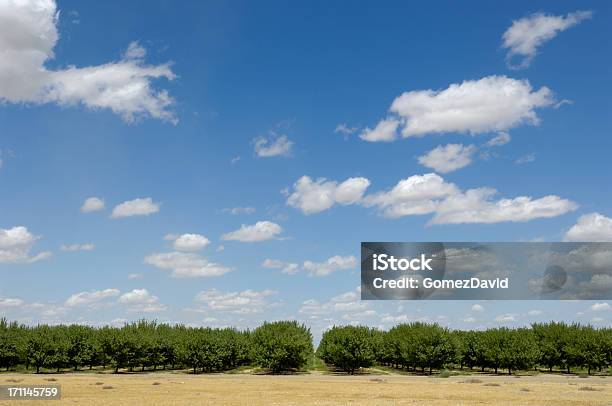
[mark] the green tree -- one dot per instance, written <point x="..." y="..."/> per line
<point x="349" y="347"/>
<point x="282" y="345"/>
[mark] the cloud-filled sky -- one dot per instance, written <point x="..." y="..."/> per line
<point x="219" y="163"/>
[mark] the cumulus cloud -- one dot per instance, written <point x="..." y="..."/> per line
<point x="16" y="244"/>
<point x="535" y="313"/>
<point x="448" y="158"/>
<point x="136" y="207"/>
<point x="415" y="195"/>
<point x="188" y="242"/>
<point x="478" y="308"/>
<point x="345" y="302"/>
<point x="92" y="204"/>
<point x="500" y="139"/>
<point x="597" y="307"/>
<point x="272" y="146"/>
<point x="333" y="264"/>
<point x="289" y="268"/>
<point x="77" y="247"/>
<point x="186" y="265"/>
<point x="430" y="193"/>
<point x="315" y="196"/>
<point x="7" y="302"/>
<point x="525" y="159"/>
<point x="140" y="300"/>
<point x="90" y="297"/>
<point x="260" y="231"/>
<point x="490" y="104"/>
<point x="591" y="227"/>
<point x="344" y="129"/>
<point x="385" y="131"/>
<point x="505" y="318"/>
<point x="28" y="32"/>
<point x="135" y="51"/>
<point x="477" y="206"/>
<point x="247" y="301"/>
<point x="526" y="35"/>
<point x="425" y="194"/>
<point x="239" y="210"/>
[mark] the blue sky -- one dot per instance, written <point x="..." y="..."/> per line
<point x="204" y="107"/>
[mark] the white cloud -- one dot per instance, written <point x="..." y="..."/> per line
<point x="345" y="302"/>
<point x="136" y="275"/>
<point x="140" y="300"/>
<point x="448" y="158"/>
<point x="272" y="146"/>
<point x="272" y="263"/>
<point x="417" y="194"/>
<point x="477" y="206"/>
<point x="28" y="32"/>
<point x="247" y="301"/>
<point x="134" y="51"/>
<point x="526" y="35"/>
<point x="504" y="318"/>
<point x="136" y="207"/>
<point x="78" y="247"/>
<point x="597" y="307"/>
<point x="333" y="264"/>
<point x="289" y="268"/>
<point x="92" y="204"/>
<point x="525" y="159"/>
<point x="490" y="104"/>
<point x="315" y="196"/>
<point x="16" y="244"/>
<point x="478" y="308"/>
<point x="240" y="210"/>
<point x="188" y="242"/>
<point x="344" y="129"/>
<point x="385" y="131"/>
<point x="260" y="231"/>
<point x="6" y="302"/>
<point x="425" y="194"/>
<point x="500" y="139"/>
<point x="87" y="298"/>
<point x="186" y="265"/>
<point x="535" y="313"/>
<point x="591" y="227"/>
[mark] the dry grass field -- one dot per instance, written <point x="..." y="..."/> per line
<point x="318" y="389"/>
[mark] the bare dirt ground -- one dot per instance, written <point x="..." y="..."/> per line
<point x="317" y="389"/>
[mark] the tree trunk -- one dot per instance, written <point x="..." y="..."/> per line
<point x="37" y="369"/>
<point x="496" y="370"/>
